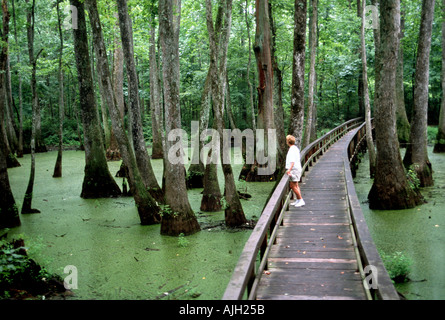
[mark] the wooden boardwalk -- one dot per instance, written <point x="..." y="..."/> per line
<point x="314" y="256"/>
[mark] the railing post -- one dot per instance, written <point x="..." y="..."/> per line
<point x="263" y="248"/>
<point x="251" y="280"/>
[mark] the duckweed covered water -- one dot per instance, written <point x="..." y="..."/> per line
<point x="418" y="233"/>
<point x="115" y="256"/>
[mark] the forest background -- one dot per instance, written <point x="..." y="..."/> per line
<point x="338" y="65"/>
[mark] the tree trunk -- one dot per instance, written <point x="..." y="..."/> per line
<point x="113" y="153"/>
<point x="179" y="218"/>
<point x="9" y="215"/>
<point x="110" y="143"/>
<point x="234" y="214"/>
<point x="315" y="112"/>
<point x="403" y="126"/>
<point x="197" y="171"/>
<point x="11" y="126"/>
<point x="249" y="84"/>
<point x="147" y="207"/>
<point x="98" y="181"/>
<point x="311" y="85"/>
<point x="211" y="195"/>
<point x="26" y="207"/>
<point x="118" y="75"/>
<point x="390" y="190"/>
<point x="416" y="153"/>
<point x="11" y="160"/>
<point x="58" y="166"/>
<point x="265" y="89"/>
<point x="78" y="129"/>
<point x="439" y="147"/>
<point x="20" y="146"/>
<point x="278" y="100"/>
<point x="262" y="48"/>
<point x="155" y="100"/>
<point x="139" y="146"/>
<point x="369" y="140"/>
<point x="377" y="63"/>
<point x="297" y="93"/>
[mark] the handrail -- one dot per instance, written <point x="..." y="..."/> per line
<point x="245" y="276"/>
<point x="319" y="146"/>
<point x="381" y="286"/>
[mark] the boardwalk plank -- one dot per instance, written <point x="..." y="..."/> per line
<point x="310" y="275"/>
<point x="322" y="264"/>
<point x="264" y="296"/>
<point x="295" y="252"/>
<point x="352" y="289"/>
<point x="315" y="245"/>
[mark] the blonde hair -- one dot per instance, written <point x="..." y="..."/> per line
<point x="290" y="139"/>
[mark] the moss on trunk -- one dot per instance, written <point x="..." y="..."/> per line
<point x="211" y="197"/>
<point x="393" y="197"/>
<point x="174" y="224"/>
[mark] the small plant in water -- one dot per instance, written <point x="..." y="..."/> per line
<point x="398" y="266"/>
<point x="182" y="241"/>
<point x="224" y="204"/>
<point x="413" y="180"/>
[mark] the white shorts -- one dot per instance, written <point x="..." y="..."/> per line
<point x="295" y="175"/>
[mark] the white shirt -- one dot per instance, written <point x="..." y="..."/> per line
<point x="293" y="155"/>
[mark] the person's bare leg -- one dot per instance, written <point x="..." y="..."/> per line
<point x="296" y="189"/>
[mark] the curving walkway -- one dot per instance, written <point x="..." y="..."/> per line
<point x="314" y="255"/>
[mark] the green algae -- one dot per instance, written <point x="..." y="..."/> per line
<point x="418" y="233"/>
<point x="115" y="256"/>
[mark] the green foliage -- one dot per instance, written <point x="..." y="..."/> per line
<point x="398" y="266"/>
<point x="432" y="134"/>
<point x="182" y="241"/>
<point x="167" y="211"/>
<point x="12" y="264"/>
<point x="18" y="270"/>
<point x="194" y="174"/>
<point x="50" y="131"/>
<point x="223" y="203"/>
<point x="338" y="64"/>
<point x="413" y="179"/>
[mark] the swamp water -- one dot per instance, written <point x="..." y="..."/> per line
<point x="115" y="256"/>
<point x="418" y="233"/>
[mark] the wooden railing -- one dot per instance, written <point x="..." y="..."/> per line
<point x="246" y="274"/>
<point x="371" y="266"/>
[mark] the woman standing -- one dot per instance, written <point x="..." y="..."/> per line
<point x="293" y="167"/>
